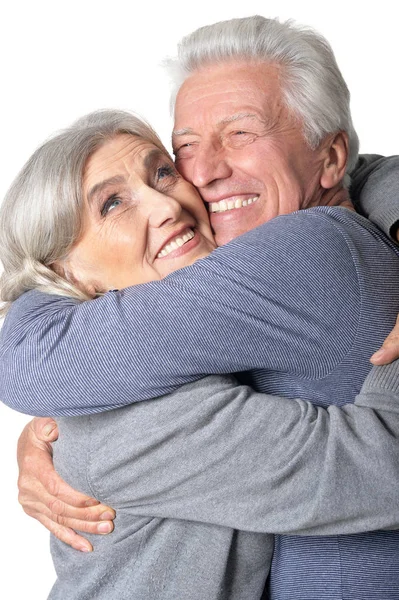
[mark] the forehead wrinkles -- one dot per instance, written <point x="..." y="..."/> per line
<point x="217" y="92"/>
<point x="122" y="155"/>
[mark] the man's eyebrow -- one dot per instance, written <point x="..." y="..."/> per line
<point x="238" y="117"/>
<point x="99" y="187"/>
<point x="185" y="131"/>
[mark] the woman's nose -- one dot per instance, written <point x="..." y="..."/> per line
<point x="163" y="209"/>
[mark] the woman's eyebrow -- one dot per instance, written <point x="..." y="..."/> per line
<point x="152" y="158"/>
<point x="99" y="187"/>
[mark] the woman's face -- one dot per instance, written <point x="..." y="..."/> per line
<point x="141" y="220"/>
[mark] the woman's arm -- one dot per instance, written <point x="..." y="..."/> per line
<point x="375" y="191"/>
<point x="46" y="497"/>
<point x="271" y="299"/>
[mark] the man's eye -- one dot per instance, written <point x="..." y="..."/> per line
<point x="240" y="137"/>
<point x="185" y="150"/>
<point x="182" y="147"/>
<point x="110" y="204"/>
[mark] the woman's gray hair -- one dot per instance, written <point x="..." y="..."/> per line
<point x="312" y="84"/>
<point x="41" y="215"/>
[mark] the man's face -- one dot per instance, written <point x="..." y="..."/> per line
<point x="235" y="140"/>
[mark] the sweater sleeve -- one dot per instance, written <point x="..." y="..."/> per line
<point x="215" y="452"/>
<point x="271" y="299"/>
<point x="375" y="190"/>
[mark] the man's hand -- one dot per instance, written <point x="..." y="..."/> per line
<point x="46" y="497"/>
<point x="389" y="350"/>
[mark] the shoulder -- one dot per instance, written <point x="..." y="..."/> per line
<point x="33" y="309"/>
<point x="34" y="302"/>
<point x="316" y="238"/>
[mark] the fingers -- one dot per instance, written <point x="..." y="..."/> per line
<point x="389" y="350"/>
<point x="67" y="512"/>
<point x="39" y="479"/>
<point x="65" y="498"/>
<point x="47" y="498"/>
<point x="65" y="534"/>
<point x="45" y="429"/>
<point x="61" y="500"/>
<point x="59" y="523"/>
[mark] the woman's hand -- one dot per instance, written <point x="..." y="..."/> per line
<point x="46" y="497"/>
<point x="389" y="350"/>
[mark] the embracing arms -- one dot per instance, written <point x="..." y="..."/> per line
<point x="35" y="473"/>
<point x="272" y="300"/>
<point x="375" y="193"/>
<point x="219" y="453"/>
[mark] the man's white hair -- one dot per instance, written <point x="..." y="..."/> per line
<point x="41" y="215"/>
<point x="312" y="85"/>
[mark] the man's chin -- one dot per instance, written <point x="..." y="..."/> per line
<point x="227" y="227"/>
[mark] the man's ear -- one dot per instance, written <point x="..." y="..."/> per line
<point x="336" y="158"/>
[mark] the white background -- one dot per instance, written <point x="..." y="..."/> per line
<point x="60" y="60"/>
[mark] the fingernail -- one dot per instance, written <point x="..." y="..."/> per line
<point x="107" y="516"/>
<point x="104" y="528"/>
<point x="85" y="549"/>
<point x="48" y="429"/>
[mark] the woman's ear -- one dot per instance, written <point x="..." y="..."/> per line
<point x="59" y="268"/>
<point x="335" y="161"/>
<point x="64" y="270"/>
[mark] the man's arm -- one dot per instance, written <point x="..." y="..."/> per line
<point x="219" y="453"/>
<point x="246" y="460"/>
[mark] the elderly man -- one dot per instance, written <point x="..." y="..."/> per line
<point x="263" y="129"/>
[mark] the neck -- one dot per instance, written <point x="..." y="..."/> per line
<point x="336" y="197"/>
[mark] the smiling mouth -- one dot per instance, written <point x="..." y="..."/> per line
<point x="224" y="205"/>
<point x="176" y="243"/>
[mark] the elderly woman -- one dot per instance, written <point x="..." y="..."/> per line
<point x="197" y="477"/>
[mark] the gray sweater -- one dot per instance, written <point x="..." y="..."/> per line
<point x="208" y="459"/>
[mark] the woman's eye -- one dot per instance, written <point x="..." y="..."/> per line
<point x="165" y="171"/>
<point x="110" y="204"/>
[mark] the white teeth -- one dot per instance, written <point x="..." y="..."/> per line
<point x="224" y="205"/>
<point x="178" y="242"/>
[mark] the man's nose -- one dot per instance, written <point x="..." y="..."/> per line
<point x="210" y="164"/>
<point x="162" y="209"/>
